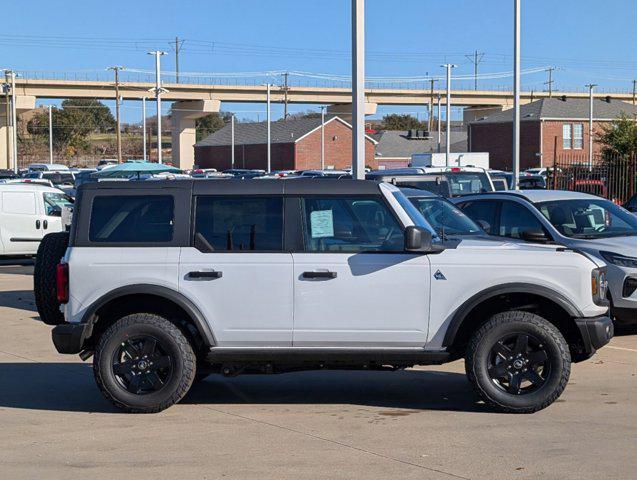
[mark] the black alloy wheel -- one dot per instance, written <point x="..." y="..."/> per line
<point x="142" y="365"/>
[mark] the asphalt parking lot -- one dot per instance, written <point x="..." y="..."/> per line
<point x="421" y="423"/>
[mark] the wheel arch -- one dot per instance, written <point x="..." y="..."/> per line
<point x="148" y="298"/>
<point x="524" y="296"/>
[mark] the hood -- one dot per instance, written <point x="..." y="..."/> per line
<point x="626" y="245"/>
<point x="486" y="242"/>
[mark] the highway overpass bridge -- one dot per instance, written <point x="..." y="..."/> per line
<point x="192" y="101"/>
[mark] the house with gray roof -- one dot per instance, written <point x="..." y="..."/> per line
<point x="395" y="147"/>
<point x="551" y="130"/>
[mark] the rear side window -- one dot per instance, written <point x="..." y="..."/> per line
<point x="229" y="224"/>
<point x="482" y="211"/>
<point x="132" y="219"/>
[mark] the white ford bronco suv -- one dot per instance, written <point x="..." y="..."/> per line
<point x="166" y="282"/>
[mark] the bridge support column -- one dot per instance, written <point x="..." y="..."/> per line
<point x="24" y="103"/>
<point x="184" y="116"/>
<point x="344" y="110"/>
<point x="471" y="114"/>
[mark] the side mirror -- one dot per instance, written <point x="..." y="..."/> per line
<point x="484" y="225"/>
<point x="418" y="239"/>
<point x="535" y="236"/>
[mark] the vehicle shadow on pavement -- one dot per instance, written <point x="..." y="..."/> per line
<point x="408" y="389"/>
<point x="70" y="387"/>
<point x="21" y="266"/>
<point x="19" y="299"/>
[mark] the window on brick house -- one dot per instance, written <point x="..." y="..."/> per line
<point x="578" y="136"/>
<point x="567" y="137"/>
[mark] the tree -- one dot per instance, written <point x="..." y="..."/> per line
<point x="211" y="123"/>
<point x="620" y="137"/>
<point x="397" y="121"/>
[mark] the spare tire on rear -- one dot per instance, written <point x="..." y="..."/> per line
<point x="50" y="252"/>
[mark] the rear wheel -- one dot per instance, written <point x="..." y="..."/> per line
<point x="144" y="364"/>
<point x="518" y="362"/>
<point x="50" y="252"/>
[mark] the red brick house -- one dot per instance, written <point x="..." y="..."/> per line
<point x="550" y="128"/>
<point x="295" y="145"/>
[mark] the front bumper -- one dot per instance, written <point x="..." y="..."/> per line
<point x="596" y="332"/>
<point x="69" y="337"/>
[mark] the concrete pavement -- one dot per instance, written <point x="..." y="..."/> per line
<point x="421" y="423"/>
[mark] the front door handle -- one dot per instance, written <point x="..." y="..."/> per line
<point x="45" y="224"/>
<point x="204" y="275"/>
<point x="37" y="224"/>
<point x="323" y="275"/>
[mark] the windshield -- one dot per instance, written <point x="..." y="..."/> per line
<point x="445" y="217"/>
<point x="589" y="218"/>
<point x="53" y="202"/>
<point x="464" y="183"/>
<point x="413" y="212"/>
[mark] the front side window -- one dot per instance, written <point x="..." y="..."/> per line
<point x="578" y="136"/>
<point x="54" y="202"/>
<point x="350" y="225"/>
<point x="589" y="219"/>
<point x="132" y="219"/>
<point x="445" y="217"/>
<point x="567" y="138"/>
<point x="229" y="224"/>
<point x="516" y="219"/>
<point x="482" y="212"/>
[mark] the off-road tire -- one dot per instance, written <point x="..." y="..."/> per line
<point x="172" y="339"/>
<point x="507" y="323"/>
<point x="50" y="252"/>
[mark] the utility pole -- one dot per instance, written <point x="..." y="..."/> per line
<point x="268" y="114"/>
<point x="144" y="127"/>
<point x="232" y="141"/>
<point x="476" y="58"/>
<point x="158" y="91"/>
<point x="285" y="95"/>
<point x="14" y="122"/>
<point x="358" y="89"/>
<point x="590" y="87"/>
<point x="634" y="91"/>
<point x="118" y="133"/>
<point x="323" y="137"/>
<point x="430" y="124"/>
<point x="448" y="66"/>
<point x="178" y="45"/>
<point x="516" y="94"/>
<point x="439" y="123"/>
<point x="7" y="111"/>
<point x="549" y="83"/>
<point x="50" y="135"/>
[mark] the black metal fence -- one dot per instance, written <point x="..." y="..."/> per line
<point x="608" y="176"/>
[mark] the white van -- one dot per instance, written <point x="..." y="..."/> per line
<point x="47" y="167"/>
<point x="28" y="211"/>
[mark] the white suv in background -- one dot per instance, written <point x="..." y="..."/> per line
<point x="166" y="282"/>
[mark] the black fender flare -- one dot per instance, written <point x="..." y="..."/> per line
<point x="179" y="299"/>
<point x="463" y="311"/>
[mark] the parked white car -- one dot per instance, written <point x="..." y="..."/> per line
<point x="47" y="167"/>
<point x="28" y="211"/>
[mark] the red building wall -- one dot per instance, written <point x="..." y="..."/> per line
<point x="552" y="144"/>
<point x="497" y="139"/>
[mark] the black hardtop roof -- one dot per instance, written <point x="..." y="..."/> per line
<point x="310" y="186"/>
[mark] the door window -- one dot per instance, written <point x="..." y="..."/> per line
<point x="350" y="225"/>
<point x="54" y="202"/>
<point x="484" y="212"/>
<point x="226" y="224"/>
<point x="515" y="219"/>
<point x="18" y="202"/>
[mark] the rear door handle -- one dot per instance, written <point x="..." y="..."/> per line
<point x="324" y="275"/>
<point x="204" y="275"/>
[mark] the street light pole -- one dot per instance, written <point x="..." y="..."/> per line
<point x="232" y="141"/>
<point x="7" y="111"/>
<point x="50" y="135"/>
<point x="516" y="95"/>
<point x="323" y="138"/>
<point x="358" y="89"/>
<point x="590" y="86"/>
<point x="118" y="133"/>
<point x="158" y="92"/>
<point x="14" y="122"/>
<point x="439" y="123"/>
<point x="448" y="66"/>
<point x="268" y="114"/>
<point x="144" y="127"/>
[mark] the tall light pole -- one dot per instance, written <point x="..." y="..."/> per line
<point x="268" y="115"/>
<point x="144" y="127"/>
<point x="50" y="134"/>
<point x="590" y="87"/>
<point x="358" y="89"/>
<point x="14" y="122"/>
<point x="232" y="141"/>
<point x="158" y="92"/>
<point x="7" y="110"/>
<point x="439" y="122"/>
<point x="516" y="95"/>
<point x="448" y="66"/>
<point x="323" y="138"/>
<point x="118" y="133"/>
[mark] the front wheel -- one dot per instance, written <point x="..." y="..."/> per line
<point x="144" y="364"/>
<point x="518" y="362"/>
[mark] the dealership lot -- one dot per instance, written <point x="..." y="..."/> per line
<point x="418" y="423"/>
